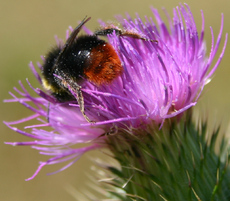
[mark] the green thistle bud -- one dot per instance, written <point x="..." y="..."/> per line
<point x="175" y="163"/>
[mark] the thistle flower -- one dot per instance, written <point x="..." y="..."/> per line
<point x="159" y="81"/>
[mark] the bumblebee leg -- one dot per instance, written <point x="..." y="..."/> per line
<point x="48" y="112"/>
<point x="75" y="90"/>
<point x="80" y="100"/>
<point x="137" y="36"/>
<point x="107" y="31"/>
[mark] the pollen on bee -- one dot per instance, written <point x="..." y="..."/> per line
<point x="46" y="85"/>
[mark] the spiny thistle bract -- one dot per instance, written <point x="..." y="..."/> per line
<point x="172" y="164"/>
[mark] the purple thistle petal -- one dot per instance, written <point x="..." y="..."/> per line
<point x="22" y="143"/>
<point x="37" y="171"/>
<point x="23" y="120"/>
<point x="25" y="133"/>
<point x="160" y="80"/>
<point x="35" y="72"/>
<point x="60" y="157"/>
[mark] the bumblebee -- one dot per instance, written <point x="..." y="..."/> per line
<point x="82" y="58"/>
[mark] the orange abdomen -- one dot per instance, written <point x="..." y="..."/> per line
<point x="103" y="66"/>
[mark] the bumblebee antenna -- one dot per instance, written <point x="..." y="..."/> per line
<point x="72" y="37"/>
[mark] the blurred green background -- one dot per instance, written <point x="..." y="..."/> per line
<point x="27" y="30"/>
